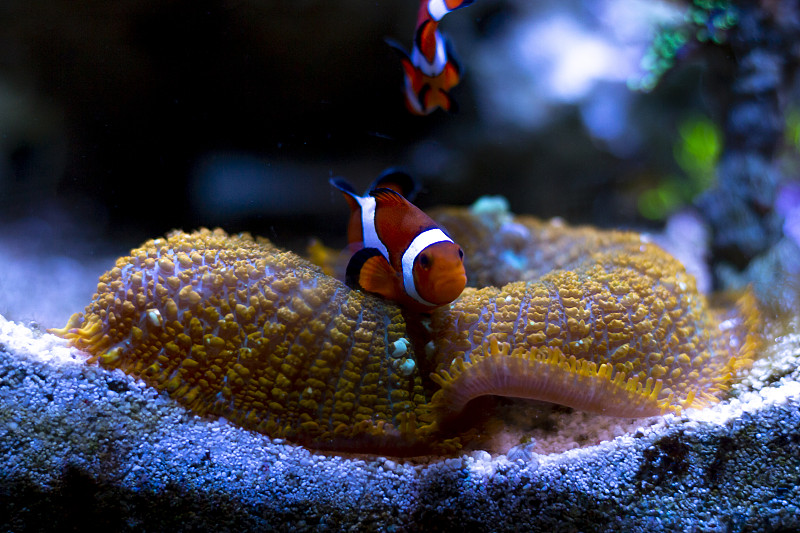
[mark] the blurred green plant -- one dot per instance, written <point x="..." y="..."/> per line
<point x="792" y="131"/>
<point x="704" y="21"/>
<point x="696" y="151"/>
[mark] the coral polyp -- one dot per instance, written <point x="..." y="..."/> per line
<point x="233" y="326"/>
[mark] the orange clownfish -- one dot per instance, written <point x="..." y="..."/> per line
<point x="431" y="70"/>
<point x="401" y="253"/>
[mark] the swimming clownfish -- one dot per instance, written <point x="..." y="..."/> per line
<point x="400" y="252"/>
<point x="432" y="70"/>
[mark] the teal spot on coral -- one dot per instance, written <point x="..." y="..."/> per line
<point x="513" y="260"/>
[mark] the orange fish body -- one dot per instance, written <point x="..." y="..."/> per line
<point x="431" y="70"/>
<point x="400" y="252"/>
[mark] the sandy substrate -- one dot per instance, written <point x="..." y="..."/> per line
<point x="79" y="444"/>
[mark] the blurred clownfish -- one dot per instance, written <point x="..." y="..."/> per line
<point x="431" y="70"/>
<point x="400" y="252"/>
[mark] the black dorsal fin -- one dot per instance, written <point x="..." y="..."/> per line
<point x="348" y="191"/>
<point x="388" y="197"/>
<point x="343" y="185"/>
<point x="397" y="47"/>
<point x="397" y="180"/>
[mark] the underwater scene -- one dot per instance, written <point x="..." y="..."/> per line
<point x="436" y="265"/>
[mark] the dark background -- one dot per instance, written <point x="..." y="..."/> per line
<point x="140" y="116"/>
<point x="120" y="121"/>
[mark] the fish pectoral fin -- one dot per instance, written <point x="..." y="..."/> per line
<point x="438" y="98"/>
<point x="369" y="270"/>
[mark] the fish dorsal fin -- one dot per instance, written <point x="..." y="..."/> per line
<point x="388" y="198"/>
<point x="348" y="191"/>
<point x="369" y="270"/>
<point x="398" y="181"/>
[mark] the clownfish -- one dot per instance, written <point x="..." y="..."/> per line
<point x="400" y="254"/>
<point x="431" y="70"/>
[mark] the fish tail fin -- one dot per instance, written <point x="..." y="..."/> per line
<point x="428" y="83"/>
<point x="433" y="98"/>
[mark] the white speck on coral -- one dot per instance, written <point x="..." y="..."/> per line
<point x="516" y="230"/>
<point x="430" y="349"/>
<point x="154" y="317"/>
<point x="400" y="347"/>
<point x="407" y="367"/>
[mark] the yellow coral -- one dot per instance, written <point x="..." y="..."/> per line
<point x="625" y="333"/>
<point x="233" y="326"/>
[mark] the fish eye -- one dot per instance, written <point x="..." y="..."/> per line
<point x="460" y="253"/>
<point x="424" y="261"/>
